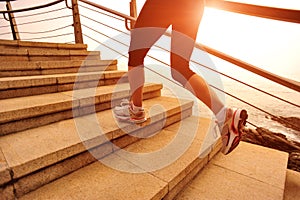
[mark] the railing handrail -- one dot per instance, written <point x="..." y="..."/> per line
<point x="126" y="17"/>
<point x="281" y="14"/>
<point x="294" y="85"/>
<point x="31" y="8"/>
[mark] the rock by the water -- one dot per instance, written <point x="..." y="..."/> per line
<point x="264" y="137"/>
<point x="294" y="161"/>
<point x="289" y="122"/>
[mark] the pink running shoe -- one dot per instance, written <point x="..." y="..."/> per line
<point x="232" y="129"/>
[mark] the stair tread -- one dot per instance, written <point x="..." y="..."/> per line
<point x="99" y="181"/>
<point x="29" y="106"/>
<point x="182" y="153"/>
<point x="292" y="185"/>
<point x="57" y="141"/>
<point x="40" y="80"/>
<point x="4" y="171"/>
<point x="46" y="52"/>
<point x="39" y="65"/>
<point x="18" y="43"/>
<point x="252" y="169"/>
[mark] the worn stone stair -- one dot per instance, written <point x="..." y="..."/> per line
<point x="39" y="51"/>
<point x="56" y="117"/>
<point x="21" y="113"/>
<point x="38" y="156"/>
<point x="31" y="68"/>
<point x="17" y="44"/>
<point x="59" y="138"/>
<point x="292" y="185"/>
<point x="11" y="87"/>
<point x="101" y="181"/>
<point x="249" y="172"/>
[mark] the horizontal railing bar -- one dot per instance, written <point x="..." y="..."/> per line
<point x="102" y="13"/>
<point x="48" y="31"/>
<point x="32" y="8"/>
<point x="41" y="13"/>
<point x="281" y="14"/>
<point x="44" y="20"/>
<point x="294" y="85"/>
<point x="109" y="10"/>
<point x="47" y="37"/>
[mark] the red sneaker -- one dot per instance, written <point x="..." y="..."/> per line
<point x="232" y="129"/>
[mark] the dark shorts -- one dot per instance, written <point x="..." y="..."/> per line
<point x="154" y="19"/>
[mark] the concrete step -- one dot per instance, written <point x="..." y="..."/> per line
<point x="47" y="54"/>
<point x="12" y="87"/>
<point x="22" y="113"/>
<point x="15" y="44"/>
<point x="30" y="68"/>
<point x="129" y="177"/>
<point x="292" y="185"/>
<point x="249" y="172"/>
<point x="38" y="156"/>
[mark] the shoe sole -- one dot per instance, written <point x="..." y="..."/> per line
<point x="138" y="121"/>
<point x="240" y="118"/>
<point x="130" y="120"/>
<point x="243" y="120"/>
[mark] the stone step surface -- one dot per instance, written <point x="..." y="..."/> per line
<point x="21" y="113"/>
<point x="47" y="54"/>
<point x="17" y="44"/>
<point x="30" y="68"/>
<point x="53" y="148"/>
<point x="43" y="65"/>
<point x="11" y="87"/>
<point x="292" y="185"/>
<point x="109" y="177"/>
<point x="249" y="172"/>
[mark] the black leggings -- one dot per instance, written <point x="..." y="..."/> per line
<point x="154" y="19"/>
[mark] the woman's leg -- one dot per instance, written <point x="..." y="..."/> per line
<point x="185" y="28"/>
<point x="231" y="121"/>
<point x="150" y="25"/>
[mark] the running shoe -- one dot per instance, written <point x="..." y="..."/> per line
<point x="232" y="129"/>
<point x="127" y="112"/>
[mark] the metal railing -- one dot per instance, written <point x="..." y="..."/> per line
<point x="82" y="30"/>
<point x="41" y="16"/>
<point x="278" y="15"/>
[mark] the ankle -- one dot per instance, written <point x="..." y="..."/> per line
<point x="222" y="115"/>
<point x="136" y="108"/>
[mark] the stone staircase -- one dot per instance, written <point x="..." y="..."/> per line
<point x="59" y="138"/>
<point x="50" y="96"/>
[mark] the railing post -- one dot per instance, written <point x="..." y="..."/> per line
<point x="133" y="12"/>
<point x="13" y="24"/>
<point x="77" y="24"/>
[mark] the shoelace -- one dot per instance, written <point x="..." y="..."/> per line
<point x="216" y="129"/>
<point x="124" y="102"/>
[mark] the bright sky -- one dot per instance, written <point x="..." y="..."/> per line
<point x="270" y="44"/>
